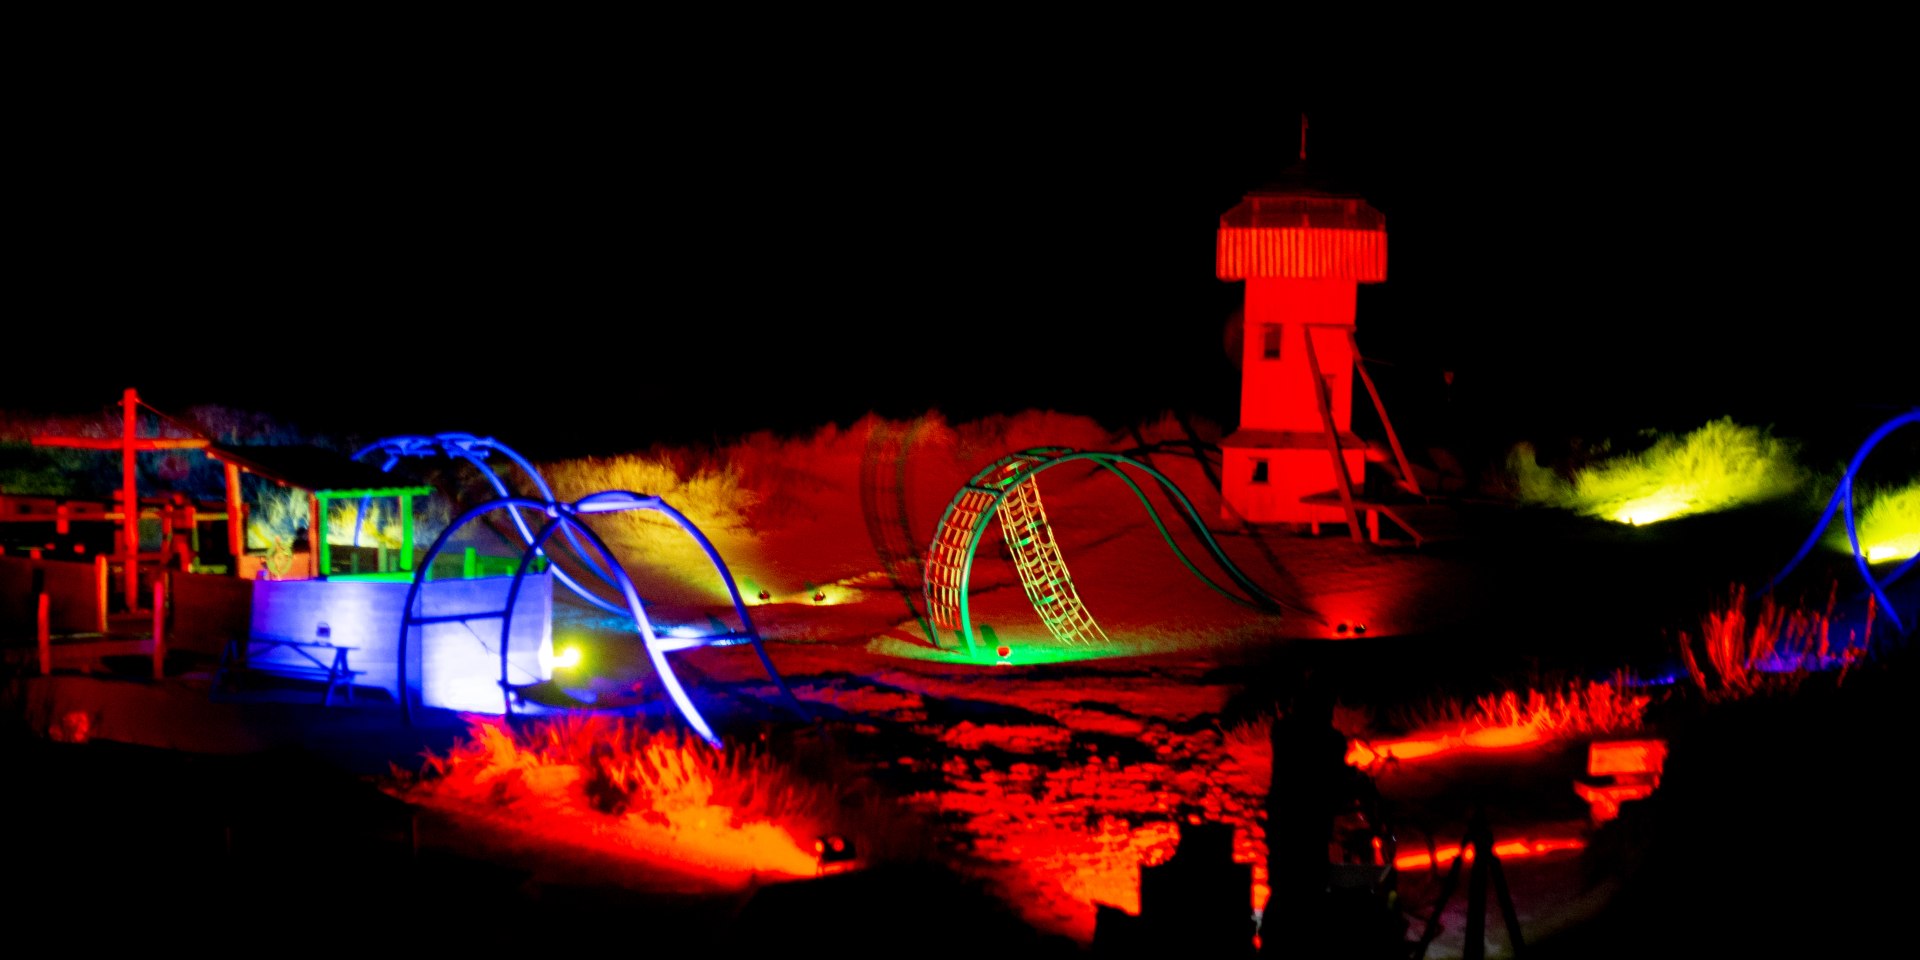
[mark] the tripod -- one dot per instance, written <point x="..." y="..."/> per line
<point x="1478" y="840"/>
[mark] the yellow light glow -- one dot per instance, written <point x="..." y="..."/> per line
<point x="566" y="658"/>
<point x="1891" y="550"/>
<point x="1650" y="509"/>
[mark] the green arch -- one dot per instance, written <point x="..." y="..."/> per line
<point x="983" y="497"/>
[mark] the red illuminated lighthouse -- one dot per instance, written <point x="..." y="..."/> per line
<point x="1303" y="252"/>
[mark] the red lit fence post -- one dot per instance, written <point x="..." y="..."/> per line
<point x="100" y="587"/>
<point x="159" y="625"/>
<point x="43" y="634"/>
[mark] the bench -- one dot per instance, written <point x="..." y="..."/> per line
<point x="1619" y="771"/>
<point x="325" y="661"/>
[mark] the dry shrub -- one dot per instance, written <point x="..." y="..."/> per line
<point x="790" y="476"/>
<point x="1773" y="651"/>
<point x="983" y="441"/>
<point x="648" y="543"/>
<point x="1574" y="708"/>
<point x="1581" y="708"/>
<point x="615" y="768"/>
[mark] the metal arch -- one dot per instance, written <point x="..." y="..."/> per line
<point x="984" y="494"/>
<point x="567" y="517"/>
<point x="1842" y="500"/>
<point x="474" y="450"/>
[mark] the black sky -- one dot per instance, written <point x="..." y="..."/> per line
<point x="568" y="262"/>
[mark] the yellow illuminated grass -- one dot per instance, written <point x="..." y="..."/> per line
<point x="1717" y="467"/>
<point x="1889" y="525"/>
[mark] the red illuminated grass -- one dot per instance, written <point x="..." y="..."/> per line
<point x="1773" y="651"/>
<point x="625" y="789"/>
<point x="1513" y="719"/>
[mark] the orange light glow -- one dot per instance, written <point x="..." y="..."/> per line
<point x="1505" y="850"/>
<point x="1494" y="738"/>
<point x="1365" y="755"/>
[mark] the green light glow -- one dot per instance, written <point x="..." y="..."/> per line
<point x="1889" y="525"/>
<point x="1041" y="650"/>
<point x="1720" y="466"/>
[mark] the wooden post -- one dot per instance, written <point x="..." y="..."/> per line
<point x="43" y="633"/>
<point x="236" y="517"/>
<point x="130" y="498"/>
<point x="159" y="624"/>
<point x="313" y="534"/>
<point x="318" y="537"/>
<point x="166" y="530"/>
<point x="100" y="587"/>
<point x="406" y="532"/>
<point x="1475" y="947"/>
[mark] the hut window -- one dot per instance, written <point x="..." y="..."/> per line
<point x="1270" y="341"/>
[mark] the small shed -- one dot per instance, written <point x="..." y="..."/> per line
<point x="327" y="476"/>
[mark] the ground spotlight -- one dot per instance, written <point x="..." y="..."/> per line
<point x="836" y="852"/>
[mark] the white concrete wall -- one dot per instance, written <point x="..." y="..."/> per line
<point x="451" y="665"/>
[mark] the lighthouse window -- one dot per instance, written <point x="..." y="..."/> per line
<point x="1259" y="471"/>
<point x="1270" y="341"/>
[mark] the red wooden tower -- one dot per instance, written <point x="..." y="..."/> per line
<point x="1303" y="252"/>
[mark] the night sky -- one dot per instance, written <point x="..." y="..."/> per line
<point x="576" y="267"/>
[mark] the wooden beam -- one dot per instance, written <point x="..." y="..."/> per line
<point x="1360" y="367"/>
<point x="1325" y="402"/>
<point x="111" y="443"/>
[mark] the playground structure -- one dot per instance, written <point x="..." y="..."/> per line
<point x="562" y="524"/>
<point x="1008" y="489"/>
<point x="451" y="629"/>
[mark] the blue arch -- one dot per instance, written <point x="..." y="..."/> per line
<point x="566" y="517"/>
<point x="1842" y="501"/>
<point x="475" y="450"/>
